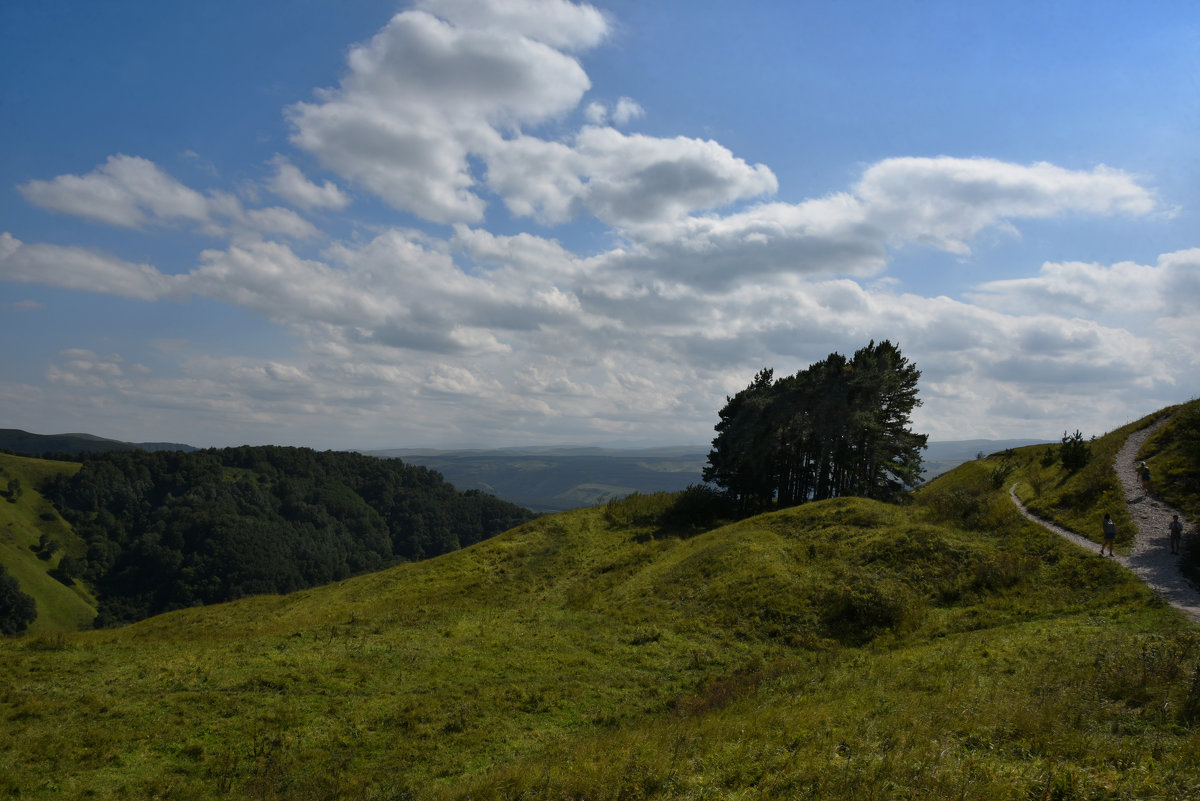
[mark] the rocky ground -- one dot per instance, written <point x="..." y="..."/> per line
<point x="1150" y="558"/>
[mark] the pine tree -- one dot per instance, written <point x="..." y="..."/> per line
<point x="838" y="427"/>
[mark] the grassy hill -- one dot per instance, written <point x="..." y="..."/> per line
<point x="843" y="649"/>
<point x="24" y="518"/>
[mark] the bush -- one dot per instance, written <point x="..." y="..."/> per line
<point x="999" y="475"/>
<point x="17" y="610"/>
<point x="638" y="509"/>
<point x="697" y="507"/>
<point x="69" y="568"/>
<point x="1075" y="453"/>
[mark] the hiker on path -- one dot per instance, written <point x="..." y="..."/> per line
<point x="1110" y="535"/>
<point x="1176" y="530"/>
<point x="1145" y="476"/>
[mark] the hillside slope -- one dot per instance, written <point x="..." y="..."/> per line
<point x="25" y="518"/>
<point x="170" y="530"/>
<point x="28" y="444"/>
<point x="948" y="648"/>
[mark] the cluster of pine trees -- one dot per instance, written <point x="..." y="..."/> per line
<point x="170" y="529"/>
<point x="839" y="427"/>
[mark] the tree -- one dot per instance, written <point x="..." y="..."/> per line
<point x="47" y="546"/>
<point x="1075" y="453"/>
<point x="69" y="568"/>
<point x="740" y="460"/>
<point x="839" y="427"/>
<point x="17" y="610"/>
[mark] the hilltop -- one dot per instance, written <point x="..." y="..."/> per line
<point x="947" y="647"/>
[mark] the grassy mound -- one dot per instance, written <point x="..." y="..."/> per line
<point x="843" y="649"/>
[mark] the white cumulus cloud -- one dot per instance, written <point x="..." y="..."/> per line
<point x="558" y="23"/>
<point x="424" y="94"/>
<point x="126" y="190"/>
<point x="946" y="201"/>
<point x="81" y="269"/>
<point x="290" y="184"/>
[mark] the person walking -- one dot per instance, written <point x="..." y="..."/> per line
<point x="1175" y="528"/>
<point x="1145" y="477"/>
<point x="1110" y="535"/>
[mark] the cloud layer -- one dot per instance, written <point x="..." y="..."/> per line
<point x="471" y="117"/>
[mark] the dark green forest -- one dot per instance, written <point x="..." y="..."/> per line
<point x="166" y="530"/>
<point x="839" y="427"/>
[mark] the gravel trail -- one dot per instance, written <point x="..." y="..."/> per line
<point x="1151" y="558"/>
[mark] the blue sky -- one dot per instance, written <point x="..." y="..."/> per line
<point x="458" y="223"/>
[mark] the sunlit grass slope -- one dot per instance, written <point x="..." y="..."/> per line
<point x="844" y="649"/>
<point x="1173" y="455"/>
<point x="24" y="517"/>
<point x="1079" y="500"/>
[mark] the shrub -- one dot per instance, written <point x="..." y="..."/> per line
<point x="999" y="475"/>
<point x="697" y="507"/>
<point x="69" y="568"/>
<point x="638" y="509"/>
<point x="1074" y="453"/>
<point x="17" y="610"/>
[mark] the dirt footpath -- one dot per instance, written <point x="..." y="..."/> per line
<point x="1151" y="558"/>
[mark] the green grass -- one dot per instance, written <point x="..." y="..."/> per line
<point x="1076" y="500"/>
<point x="947" y="648"/>
<point x="23" y="520"/>
<point x="1173" y="455"/>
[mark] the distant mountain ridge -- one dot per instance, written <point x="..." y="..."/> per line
<point x="558" y="478"/>
<point x="544" y="478"/>
<point x="27" y="444"/>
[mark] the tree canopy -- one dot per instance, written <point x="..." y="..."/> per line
<point x="170" y="529"/>
<point x="839" y="427"/>
<point x="17" y="610"/>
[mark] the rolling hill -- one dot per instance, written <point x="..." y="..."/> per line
<point x="25" y="443"/>
<point x="557" y="479"/>
<point x="543" y="479"/>
<point x="154" y="531"/>
<point x="836" y="650"/>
